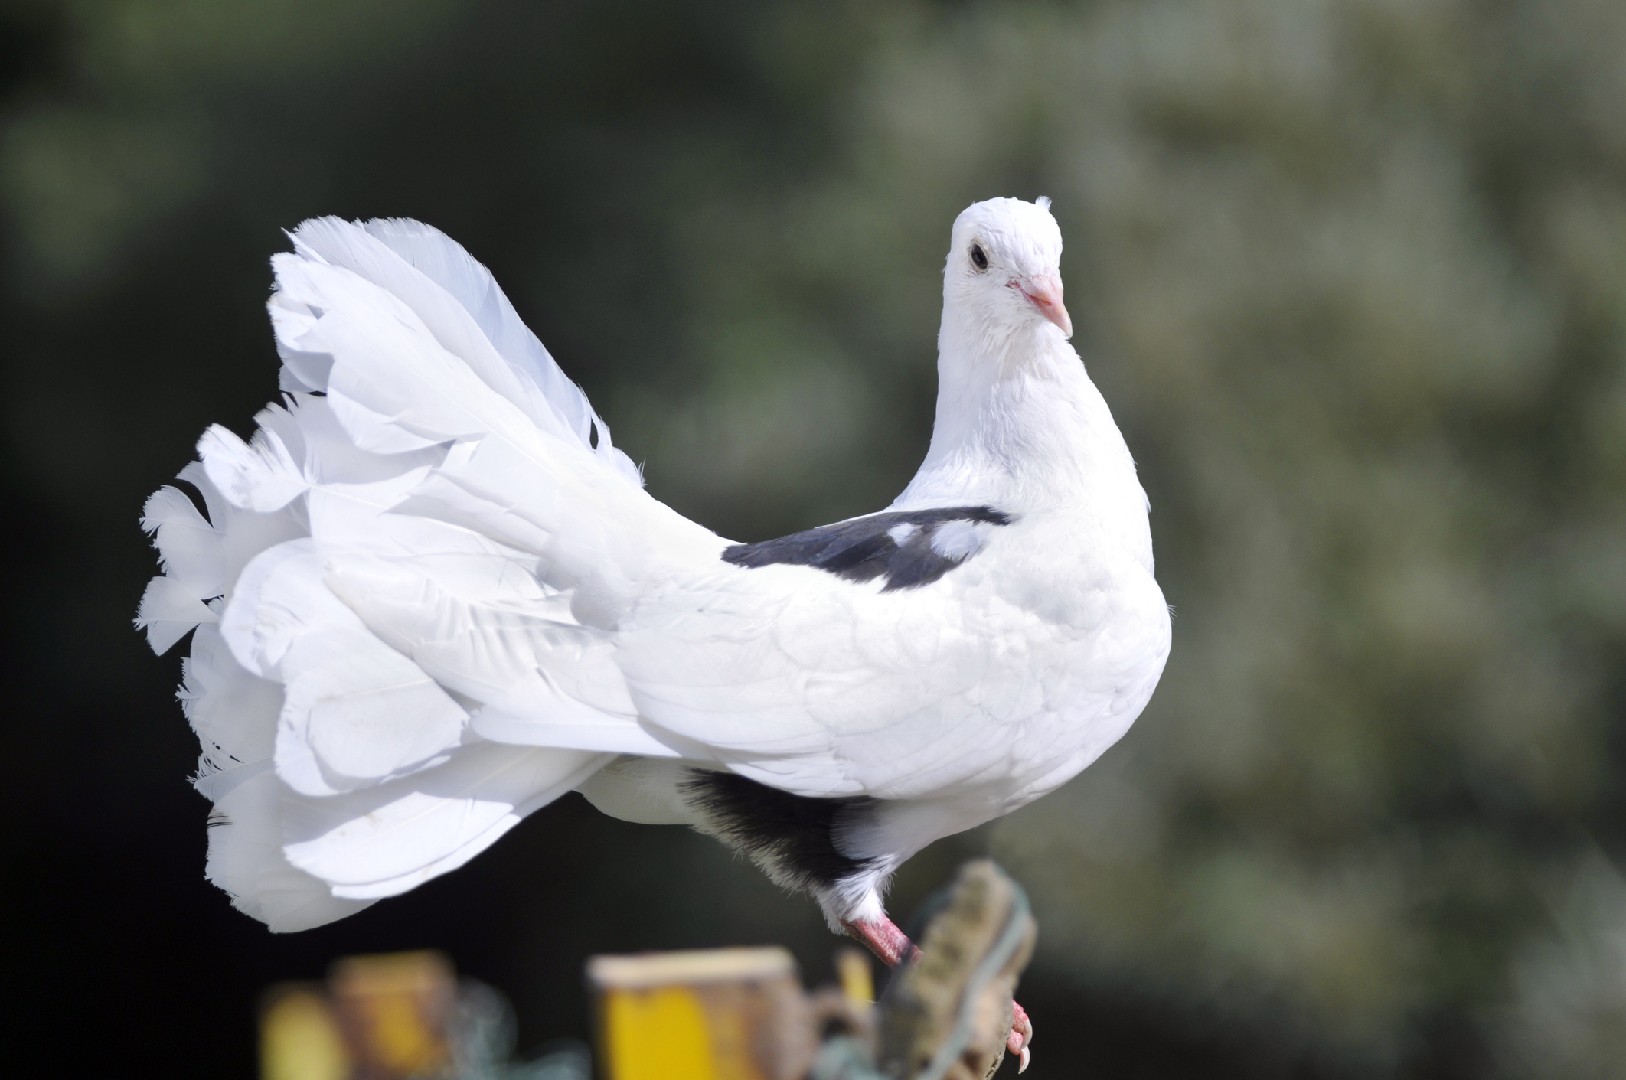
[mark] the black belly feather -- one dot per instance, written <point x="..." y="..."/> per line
<point x="792" y="837"/>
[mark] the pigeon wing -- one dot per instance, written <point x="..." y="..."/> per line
<point x="828" y="684"/>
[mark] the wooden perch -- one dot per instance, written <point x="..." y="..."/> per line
<point x="741" y="1014"/>
<point x="946" y="1016"/>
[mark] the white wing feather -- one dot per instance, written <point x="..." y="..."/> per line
<point x="811" y="683"/>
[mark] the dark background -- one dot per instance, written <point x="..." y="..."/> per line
<point x="1353" y="276"/>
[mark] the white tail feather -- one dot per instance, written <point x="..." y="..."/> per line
<point x="387" y="839"/>
<point x="232" y="711"/>
<point x="403" y="582"/>
<point x="246" y="858"/>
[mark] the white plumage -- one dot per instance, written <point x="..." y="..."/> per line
<point x="430" y="596"/>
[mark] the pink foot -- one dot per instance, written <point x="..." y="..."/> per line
<point x="892" y="947"/>
<point x="1019" y="1038"/>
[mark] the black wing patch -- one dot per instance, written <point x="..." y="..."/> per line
<point x="909" y="548"/>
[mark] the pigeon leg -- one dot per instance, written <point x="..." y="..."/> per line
<point x="883" y="938"/>
<point x="892" y="947"/>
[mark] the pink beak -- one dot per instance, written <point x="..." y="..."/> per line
<point x="1044" y="292"/>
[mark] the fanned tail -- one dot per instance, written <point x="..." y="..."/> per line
<point x="403" y="590"/>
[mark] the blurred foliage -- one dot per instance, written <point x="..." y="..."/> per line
<point x="1352" y="274"/>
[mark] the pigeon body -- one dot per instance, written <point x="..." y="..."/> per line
<point x="430" y="596"/>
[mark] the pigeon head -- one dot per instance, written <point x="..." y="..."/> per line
<point x="1004" y="267"/>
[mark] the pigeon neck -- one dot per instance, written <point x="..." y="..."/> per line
<point x="1020" y="426"/>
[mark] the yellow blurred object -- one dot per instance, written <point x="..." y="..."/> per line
<point x="853" y="972"/>
<point x="657" y="1033"/>
<point x="731" y="1014"/>
<point x="393" y="1010"/>
<point x="299" y="1039"/>
<point x="381" y="1018"/>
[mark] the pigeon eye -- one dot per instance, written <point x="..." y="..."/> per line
<point x="979" y="258"/>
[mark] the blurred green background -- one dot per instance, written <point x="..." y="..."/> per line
<point x="1352" y="275"/>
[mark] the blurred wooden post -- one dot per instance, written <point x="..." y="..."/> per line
<point x="382" y="1018"/>
<point x="395" y="1011"/>
<point x="741" y="1014"/>
<point x="299" y="1039"/>
<point x="730" y="1014"/>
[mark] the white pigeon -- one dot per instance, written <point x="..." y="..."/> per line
<point x="430" y="596"/>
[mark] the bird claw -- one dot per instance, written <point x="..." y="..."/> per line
<point x="1020" y="1037"/>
